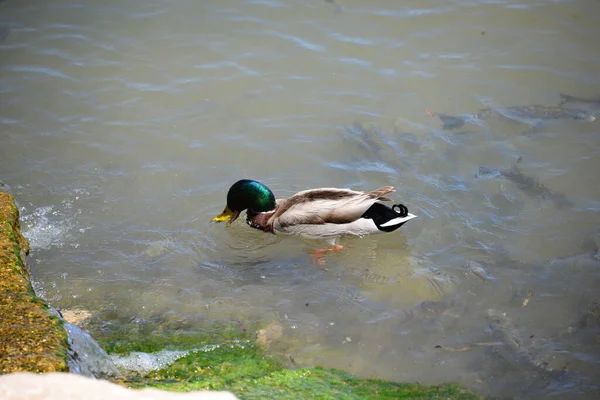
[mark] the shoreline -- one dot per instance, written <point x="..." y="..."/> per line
<point x="33" y="339"/>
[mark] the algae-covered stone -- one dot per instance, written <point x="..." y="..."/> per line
<point x="31" y="339"/>
<point x="244" y="360"/>
<point x="248" y="374"/>
<point x="243" y="367"/>
<point x="269" y="335"/>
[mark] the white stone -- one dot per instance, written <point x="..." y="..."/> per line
<point x="61" y="386"/>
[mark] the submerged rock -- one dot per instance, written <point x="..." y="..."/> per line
<point x="76" y="316"/>
<point x="5" y="188"/>
<point x="269" y="335"/>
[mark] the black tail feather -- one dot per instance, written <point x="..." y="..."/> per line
<point x="380" y="214"/>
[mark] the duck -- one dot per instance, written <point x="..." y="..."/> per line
<point x="321" y="213"/>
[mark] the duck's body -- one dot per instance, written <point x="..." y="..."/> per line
<point x="315" y="213"/>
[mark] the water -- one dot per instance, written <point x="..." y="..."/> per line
<point x="85" y="356"/>
<point x="123" y="124"/>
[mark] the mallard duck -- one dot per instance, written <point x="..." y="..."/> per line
<point x="314" y="213"/>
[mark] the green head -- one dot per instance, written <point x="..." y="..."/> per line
<point x="246" y="194"/>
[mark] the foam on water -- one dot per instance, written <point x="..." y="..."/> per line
<point x="53" y="226"/>
<point x="144" y="363"/>
<point x="41" y="231"/>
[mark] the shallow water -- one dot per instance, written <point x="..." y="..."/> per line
<point x="123" y="124"/>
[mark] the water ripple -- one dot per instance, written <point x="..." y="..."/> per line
<point x="297" y="40"/>
<point x="47" y="71"/>
<point x="357" y="40"/>
<point x="157" y="107"/>
<point x="357" y="61"/>
<point x="270" y="3"/>
<point x="404" y="13"/>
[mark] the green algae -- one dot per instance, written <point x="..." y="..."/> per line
<point x="248" y="374"/>
<point x="121" y="337"/>
<point x="31" y="339"/>
<point x="319" y="383"/>
<point x="243" y="367"/>
<point x="238" y="357"/>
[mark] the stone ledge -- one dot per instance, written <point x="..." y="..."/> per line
<point x="59" y="386"/>
<point x="31" y="339"/>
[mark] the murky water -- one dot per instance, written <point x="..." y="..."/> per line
<point x="123" y="124"/>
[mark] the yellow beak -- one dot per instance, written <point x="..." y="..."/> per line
<point x="226" y="215"/>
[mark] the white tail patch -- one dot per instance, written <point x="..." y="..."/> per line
<point x="398" y="221"/>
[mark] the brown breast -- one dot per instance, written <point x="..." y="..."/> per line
<point x="260" y="221"/>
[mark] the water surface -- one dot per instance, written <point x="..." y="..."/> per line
<point x="123" y="124"/>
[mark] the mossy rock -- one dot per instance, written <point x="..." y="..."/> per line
<point x="242" y="367"/>
<point x="31" y="339"/>
<point x="249" y="375"/>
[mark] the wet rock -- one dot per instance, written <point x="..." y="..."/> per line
<point x="31" y="338"/>
<point x="86" y="357"/>
<point x="33" y="335"/>
<point x="5" y="188"/>
<point x="59" y="386"/>
<point x="76" y="316"/>
<point x="271" y="334"/>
